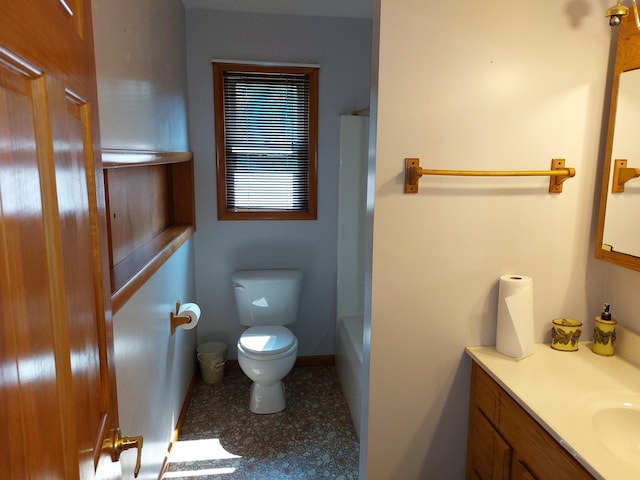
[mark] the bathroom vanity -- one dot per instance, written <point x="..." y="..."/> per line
<point x="505" y="442"/>
<point x="554" y="415"/>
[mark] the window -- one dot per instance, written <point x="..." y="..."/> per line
<point x="266" y="122"/>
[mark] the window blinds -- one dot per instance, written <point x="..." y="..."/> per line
<point x="266" y="130"/>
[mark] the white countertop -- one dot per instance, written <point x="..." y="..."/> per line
<point x="558" y="389"/>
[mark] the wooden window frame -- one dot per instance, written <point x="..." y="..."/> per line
<point x="224" y="213"/>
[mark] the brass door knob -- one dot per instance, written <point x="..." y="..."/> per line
<point x="116" y="444"/>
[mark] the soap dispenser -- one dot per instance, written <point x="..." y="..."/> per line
<point x="604" y="334"/>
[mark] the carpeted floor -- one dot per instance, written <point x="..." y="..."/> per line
<point x="313" y="438"/>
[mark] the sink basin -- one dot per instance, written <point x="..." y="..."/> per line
<point x="615" y="422"/>
<point x="619" y="430"/>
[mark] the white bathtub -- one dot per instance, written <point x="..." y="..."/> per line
<point x="349" y="363"/>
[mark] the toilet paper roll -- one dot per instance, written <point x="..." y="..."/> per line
<point x="192" y="311"/>
<point x="514" y="332"/>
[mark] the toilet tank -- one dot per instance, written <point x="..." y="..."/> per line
<point x="267" y="297"/>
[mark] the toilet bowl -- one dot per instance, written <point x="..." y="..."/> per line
<point x="266" y="355"/>
<point x="266" y="301"/>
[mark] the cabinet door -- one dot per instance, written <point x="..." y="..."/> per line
<point x="544" y="456"/>
<point x="507" y="428"/>
<point x="488" y="455"/>
<point x="520" y="471"/>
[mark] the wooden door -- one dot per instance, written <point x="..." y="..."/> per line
<point x="57" y="399"/>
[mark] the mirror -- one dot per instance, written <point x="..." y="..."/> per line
<point x="622" y="222"/>
<point x="618" y="234"/>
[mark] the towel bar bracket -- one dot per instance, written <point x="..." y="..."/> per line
<point x="622" y="174"/>
<point x="412" y="174"/>
<point x="556" y="181"/>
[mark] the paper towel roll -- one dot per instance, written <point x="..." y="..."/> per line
<point x="514" y="332"/>
<point x="192" y="311"/>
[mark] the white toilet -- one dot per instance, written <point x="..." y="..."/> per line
<point x="266" y="301"/>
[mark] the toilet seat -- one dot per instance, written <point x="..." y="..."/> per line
<point x="266" y="340"/>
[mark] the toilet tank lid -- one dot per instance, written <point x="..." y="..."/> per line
<point x="266" y="339"/>
<point x="282" y="274"/>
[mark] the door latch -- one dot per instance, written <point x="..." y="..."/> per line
<point x="116" y="444"/>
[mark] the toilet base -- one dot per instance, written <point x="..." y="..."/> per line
<point x="267" y="399"/>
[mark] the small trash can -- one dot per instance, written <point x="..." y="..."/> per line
<point x="212" y="356"/>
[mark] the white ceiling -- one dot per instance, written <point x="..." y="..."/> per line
<point x="325" y="8"/>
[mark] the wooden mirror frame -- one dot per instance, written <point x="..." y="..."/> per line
<point x="627" y="58"/>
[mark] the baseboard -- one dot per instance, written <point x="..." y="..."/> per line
<point x="178" y="427"/>
<point x="305" y="361"/>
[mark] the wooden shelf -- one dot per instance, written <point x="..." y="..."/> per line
<point x="151" y="213"/>
<point x="115" y="158"/>
<point x="132" y="272"/>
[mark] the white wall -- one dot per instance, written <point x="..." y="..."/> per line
<point x="352" y="191"/>
<point x="342" y="49"/>
<point x="141" y="75"/>
<point x="494" y="85"/>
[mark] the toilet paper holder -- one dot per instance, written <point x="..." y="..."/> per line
<point x="177" y="320"/>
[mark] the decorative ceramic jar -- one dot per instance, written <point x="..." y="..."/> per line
<point x="565" y="334"/>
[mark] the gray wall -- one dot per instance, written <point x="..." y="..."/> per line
<point x="142" y="102"/>
<point x="153" y="367"/>
<point x="342" y="49"/>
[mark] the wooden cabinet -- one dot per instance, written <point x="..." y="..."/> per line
<point x="505" y="442"/>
